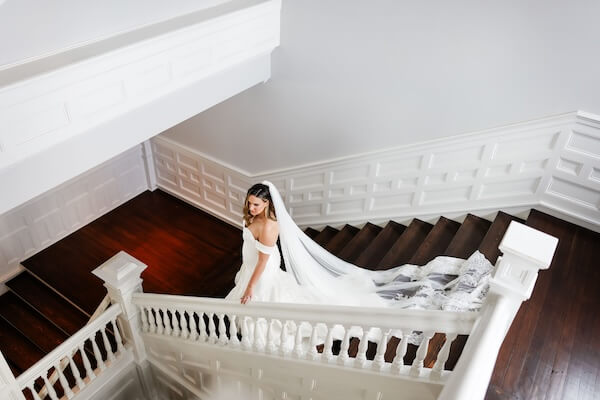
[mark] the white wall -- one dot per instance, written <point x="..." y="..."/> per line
<point x="42" y="221"/>
<point x="354" y="76"/>
<point x="31" y="28"/>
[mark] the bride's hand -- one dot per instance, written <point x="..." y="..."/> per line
<point x="247" y="295"/>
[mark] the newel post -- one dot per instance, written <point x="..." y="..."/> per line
<point x="8" y="384"/>
<point x="525" y="252"/>
<point x="122" y="278"/>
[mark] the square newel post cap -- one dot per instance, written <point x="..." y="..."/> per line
<point x="530" y="244"/>
<point x="120" y="271"/>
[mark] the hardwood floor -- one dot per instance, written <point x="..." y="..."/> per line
<point x="552" y="350"/>
<point x="185" y="250"/>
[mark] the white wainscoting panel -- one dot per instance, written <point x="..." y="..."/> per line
<point x="554" y="162"/>
<point x="42" y="221"/>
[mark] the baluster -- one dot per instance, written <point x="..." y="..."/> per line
<point x="174" y="322"/>
<point x="145" y="326"/>
<point x="185" y="333"/>
<point x="361" y="357"/>
<point x="222" y="330"/>
<point x="343" y="358"/>
<point x="442" y="357"/>
<point x="118" y="338"/>
<point x="246" y="342"/>
<point x="97" y="354"/>
<point x="34" y="392"/>
<point x="86" y="363"/>
<point x="193" y="328"/>
<point x="282" y="339"/>
<point x="76" y="374"/>
<point x="379" y="360"/>
<point x="233" y="331"/>
<point x="202" y="326"/>
<point x="258" y="344"/>
<point x="417" y="365"/>
<point x="169" y="321"/>
<point x="151" y="321"/>
<point x="107" y="346"/>
<point x="328" y="350"/>
<point x="49" y="388"/>
<point x="298" y="350"/>
<point x="400" y="353"/>
<point x="271" y="346"/>
<point x="212" y="330"/>
<point x="63" y="381"/>
<point x="159" y="321"/>
<point x="313" y="353"/>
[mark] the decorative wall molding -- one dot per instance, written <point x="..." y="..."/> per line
<point x="161" y="75"/>
<point x="552" y="162"/>
<point x="42" y="221"/>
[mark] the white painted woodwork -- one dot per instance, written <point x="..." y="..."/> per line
<point x="9" y="389"/>
<point x="91" y="334"/>
<point x="44" y="220"/>
<point x="552" y="162"/>
<point x="67" y="113"/>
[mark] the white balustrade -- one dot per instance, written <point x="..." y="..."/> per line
<point x="304" y="332"/>
<point x="94" y="337"/>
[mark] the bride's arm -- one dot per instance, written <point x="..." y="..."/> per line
<point x="267" y="237"/>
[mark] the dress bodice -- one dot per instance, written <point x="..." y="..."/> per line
<point x="252" y="246"/>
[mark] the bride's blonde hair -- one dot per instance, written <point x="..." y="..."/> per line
<point x="262" y="192"/>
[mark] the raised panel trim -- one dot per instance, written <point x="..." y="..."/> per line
<point x="362" y="188"/>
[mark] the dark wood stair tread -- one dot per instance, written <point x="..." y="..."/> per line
<point x="325" y="235"/>
<point x="468" y="237"/>
<point x="436" y="241"/>
<point x="345" y="235"/>
<point x="359" y="243"/>
<point x="493" y="237"/>
<point x="311" y="233"/>
<point x="379" y="247"/>
<point x="48" y="303"/>
<point x="406" y="245"/>
<point x="30" y="323"/>
<point x="17" y="348"/>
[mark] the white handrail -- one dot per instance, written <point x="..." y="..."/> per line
<point x="71" y="345"/>
<point x="422" y="320"/>
<point x="104" y="304"/>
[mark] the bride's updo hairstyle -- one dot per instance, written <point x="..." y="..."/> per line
<point x="262" y="192"/>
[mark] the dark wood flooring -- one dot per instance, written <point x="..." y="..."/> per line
<point x="183" y="247"/>
<point x="552" y="350"/>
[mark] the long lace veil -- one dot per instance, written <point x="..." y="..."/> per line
<point x="335" y="281"/>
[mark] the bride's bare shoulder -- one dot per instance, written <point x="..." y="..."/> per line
<point x="270" y="229"/>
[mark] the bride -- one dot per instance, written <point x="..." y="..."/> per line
<point x="315" y="276"/>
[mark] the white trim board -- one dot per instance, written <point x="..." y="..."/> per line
<point x="553" y="163"/>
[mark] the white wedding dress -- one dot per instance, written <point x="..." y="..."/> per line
<point x="315" y="276"/>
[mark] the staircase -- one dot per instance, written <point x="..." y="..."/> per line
<point x="31" y="324"/>
<point x="35" y="317"/>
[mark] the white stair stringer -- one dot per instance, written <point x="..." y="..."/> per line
<point x="211" y="372"/>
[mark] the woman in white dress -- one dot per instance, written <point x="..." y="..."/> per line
<point x="316" y="276"/>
